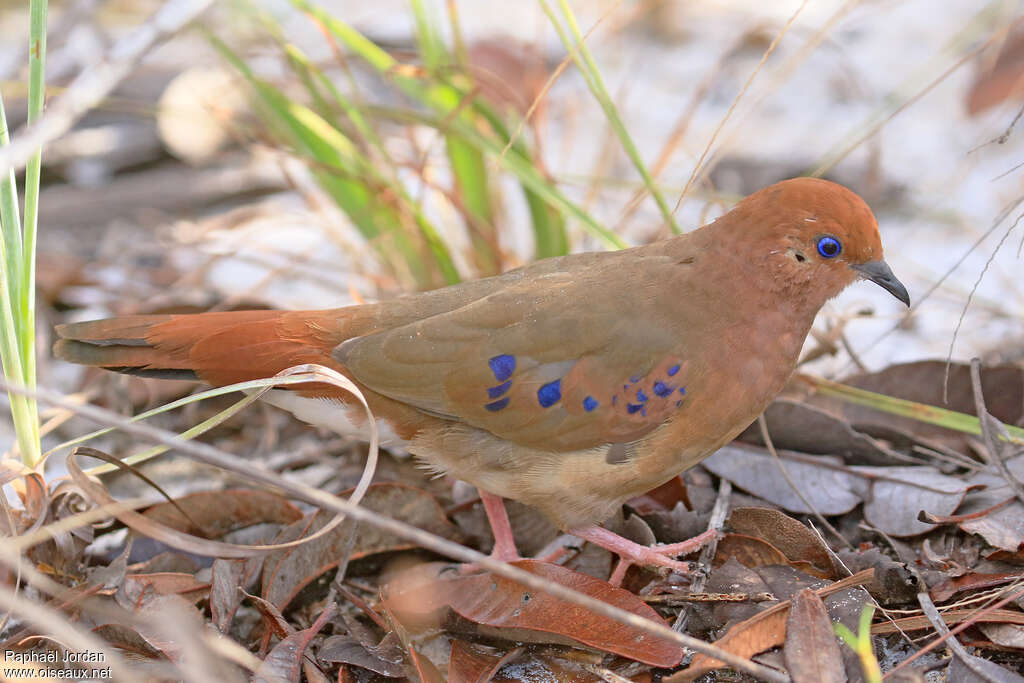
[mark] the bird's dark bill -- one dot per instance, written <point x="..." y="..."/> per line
<point x="880" y="273"/>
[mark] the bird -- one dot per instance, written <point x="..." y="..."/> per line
<point x="571" y="384"/>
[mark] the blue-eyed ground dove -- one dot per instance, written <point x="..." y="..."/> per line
<point x="571" y="384"/>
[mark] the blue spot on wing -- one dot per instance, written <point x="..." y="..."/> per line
<point x="498" y="405"/>
<point x="502" y="366"/>
<point x="673" y="370"/>
<point x="641" y="396"/>
<point x="550" y="394"/>
<point x="682" y="391"/>
<point x="495" y="392"/>
<point x="589" y="403"/>
<point x="661" y="389"/>
<point x="633" y="408"/>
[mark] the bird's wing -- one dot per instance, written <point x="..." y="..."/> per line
<point x="536" y="362"/>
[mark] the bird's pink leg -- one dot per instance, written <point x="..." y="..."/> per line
<point x="648" y="556"/>
<point x="504" y="543"/>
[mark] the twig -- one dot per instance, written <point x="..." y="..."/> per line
<point x="993" y="449"/>
<point x="218" y="458"/>
<point x="96" y="82"/>
<point x="715" y="523"/>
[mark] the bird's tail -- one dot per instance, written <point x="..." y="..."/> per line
<point x="218" y="348"/>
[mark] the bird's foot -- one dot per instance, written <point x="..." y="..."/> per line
<point x="504" y="544"/>
<point x="630" y="553"/>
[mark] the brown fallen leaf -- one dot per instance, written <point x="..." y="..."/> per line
<point x="348" y="650"/>
<point x="973" y="580"/>
<point x="420" y="597"/>
<point x="790" y="536"/>
<point x="166" y="583"/>
<point x="811" y="651"/>
<point x="751" y="551"/>
<point x="220" y="512"/>
<point x="798" y="426"/>
<point x="284" y="663"/>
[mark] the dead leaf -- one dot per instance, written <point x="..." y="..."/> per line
<point x="893" y="583"/>
<point x="794" y="539"/>
<point x="1006" y="635"/>
<point x="997" y="82"/>
<point x="811" y="651"/>
<point x="951" y="617"/>
<point x="971" y="581"/>
<point x="832" y="489"/>
<point x="1002" y="527"/>
<point x="798" y="426"/>
<point x="898" y="494"/>
<point x="892" y="496"/>
<point x="284" y="663"/>
<point x="225" y="596"/>
<point x="348" y="650"/>
<point x="220" y="512"/>
<point x="166" y="583"/>
<point x="124" y="638"/>
<point x="420" y="596"/>
<point x="751" y="551"/>
<point x="663" y="498"/>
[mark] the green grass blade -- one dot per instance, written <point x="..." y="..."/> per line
<point x="922" y="412"/>
<point x="545" y="201"/>
<point x="10" y="220"/>
<point x="577" y="47"/>
<point x="431" y="47"/>
<point x="354" y="184"/>
<point x="10" y="268"/>
<point x="519" y="166"/>
<point x="549" y="234"/>
<point x="466" y="162"/>
<point x="26" y="307"/>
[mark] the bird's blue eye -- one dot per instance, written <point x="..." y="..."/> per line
<point x="829" y="247"/>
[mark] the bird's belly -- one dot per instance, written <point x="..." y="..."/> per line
<point x="347" y="419"/>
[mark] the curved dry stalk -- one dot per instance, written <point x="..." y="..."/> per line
<point x="201" y="546"/>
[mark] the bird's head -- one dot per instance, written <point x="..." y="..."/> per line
<point x="814" y="238"/>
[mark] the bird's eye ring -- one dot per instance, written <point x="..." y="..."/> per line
<point x="829" y="247"/>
